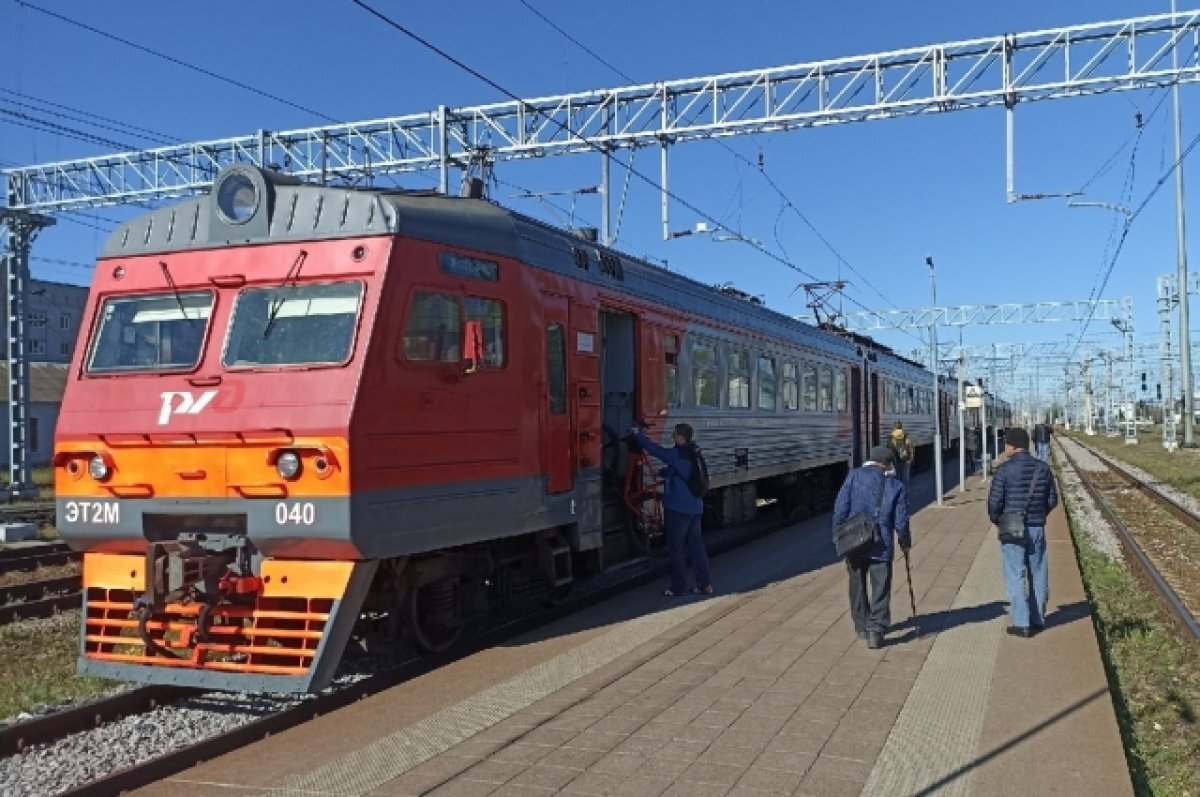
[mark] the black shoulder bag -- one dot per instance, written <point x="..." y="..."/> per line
<point x="858" y="533"/>
<point x="1011" y="525"/>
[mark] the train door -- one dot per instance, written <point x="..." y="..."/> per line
<point x="857" y="413"/>
<point x="557" y="440"/>
<point x="618" y="386"/>
<point x="873" y="398"/>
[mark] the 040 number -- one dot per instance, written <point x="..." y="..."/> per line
<point x="301" y="513"/>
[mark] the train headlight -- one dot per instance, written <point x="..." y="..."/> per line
<point x="238" y="197"/>
<point x="288" y="465"/>
<point x="98" y="468"/>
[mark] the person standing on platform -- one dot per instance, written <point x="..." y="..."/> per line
<point x="1041" y="438"/>
<point x="1024" y="484"/>
<point x="902" y="453"/>
<point x="682" y="509"/>
<point x="868" y="490"/>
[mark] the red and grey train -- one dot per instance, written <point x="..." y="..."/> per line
<point x="298" y="414"/>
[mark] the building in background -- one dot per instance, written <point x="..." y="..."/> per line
<point x="52" y="317"/>
<point x="46" y="384"/>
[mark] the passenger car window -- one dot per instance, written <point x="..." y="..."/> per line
<point x="810" y="387"/>
<point x="151" y="333"/>
<point x="739" y="380"/>
<point x="791" y="390"/>
<point x="293" y="325"/>
<point x="704" y="376"/>
<point x="766" y="383"/>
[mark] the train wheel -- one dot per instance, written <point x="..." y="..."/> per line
<point x="434" y="618"/>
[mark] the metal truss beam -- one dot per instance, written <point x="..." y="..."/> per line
<point x="971" y="315"/>
<point x="977" y="73"/>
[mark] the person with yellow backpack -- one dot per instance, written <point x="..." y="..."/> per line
<point x="902" y="452"/>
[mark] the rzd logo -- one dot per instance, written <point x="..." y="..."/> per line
<point x="187" y="404"/>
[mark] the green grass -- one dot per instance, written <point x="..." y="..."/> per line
<point x="38" y="662"/>
<point x="1154" y="675"/>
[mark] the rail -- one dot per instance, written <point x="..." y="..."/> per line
<point x="1143" y="566"/>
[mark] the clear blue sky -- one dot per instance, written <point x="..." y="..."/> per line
<point x="884" y="194"/>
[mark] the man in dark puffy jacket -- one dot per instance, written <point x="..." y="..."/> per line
<point x="871" y="571"/>
<point x="1041" y="438"/>
<point x="682" y="510"/>
<point x="1014" y="489"/>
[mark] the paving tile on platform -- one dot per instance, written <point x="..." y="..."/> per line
<point x="771" y="780"/>
<point x="545" y="776"/>
<point x="799" y="762"/>
<point x="521" y="753"/>
<point x="463" y="788"/>
<point x="620" y="764"/>
<point x="643" y="786"/>
<point x="703" y="772"/>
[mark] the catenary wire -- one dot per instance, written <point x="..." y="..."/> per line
<point x="649" y="181"/>
<point x="788" y="204"/>
<point x="176" y="61"/>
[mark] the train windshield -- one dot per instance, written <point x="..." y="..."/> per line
<point x="163" y="332"/>
<point x="293" y="325"/>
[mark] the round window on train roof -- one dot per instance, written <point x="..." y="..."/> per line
<point x="237" y="198"/>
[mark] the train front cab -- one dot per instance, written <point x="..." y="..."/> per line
<point x="202" y="457"/>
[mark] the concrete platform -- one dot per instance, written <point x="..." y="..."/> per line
<point x="763" y="689"/>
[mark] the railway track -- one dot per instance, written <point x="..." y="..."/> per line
<point x="296" y="710"/>
<point x="36" y="597"/>
<point x="1136" y="511"/>
<point x="40" y="513"/>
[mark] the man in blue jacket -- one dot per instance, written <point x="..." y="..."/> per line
<point x="682" y="510"/>
<point x="1014" y="490"/>
<point x="871" y="571"/>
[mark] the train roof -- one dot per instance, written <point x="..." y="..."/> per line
<point x="285" y="209"/>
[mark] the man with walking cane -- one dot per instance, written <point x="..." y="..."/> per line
<point x="870" y="513"/>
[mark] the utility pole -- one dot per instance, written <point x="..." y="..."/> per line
<point x="17" y="231"/>
<point x="962" y="429"/>
<point x="937" y="393"/>
<point x="1185" y="343"/>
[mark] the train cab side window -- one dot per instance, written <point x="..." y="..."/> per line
<point x="791" y="389"/>
<point x="556" y="368"/>
<point x="739" y="380"/>
<point x="472" y="267"/>
<point x="826" y="389"/>
<point x="704" y="376"/>
<point x="490" y="314"/>
<point x="810" y="387"/>
<point x="766" y="384"/>
<point x="671" y="358"/>
<point x="911" y="406"/>
<point x="433" y="328"/>
<point x="839" y="390"/>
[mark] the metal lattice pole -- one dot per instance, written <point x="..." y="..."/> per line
<point x="20" y="228"/>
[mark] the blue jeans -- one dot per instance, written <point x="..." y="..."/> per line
<point x="684" y="540"/>
<point x="902" y="471"/>
<point x="1027" y="603"/>
<point x="1043" y="452"/>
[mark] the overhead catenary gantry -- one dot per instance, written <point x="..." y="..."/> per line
<point x="986" y="72"/>
<point x="1005" y="70"/>
<point x="979" y="314"/>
